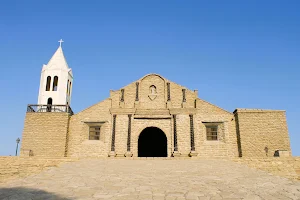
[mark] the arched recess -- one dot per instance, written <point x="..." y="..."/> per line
<point x="152" y="142"/>
<point x="49" y="104"/>
<point x="55" y="83"/>
<point x="48" y="83"/>
<point x="49" y="101"/>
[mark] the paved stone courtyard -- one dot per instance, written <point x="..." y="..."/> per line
<point x="151" y="179"/>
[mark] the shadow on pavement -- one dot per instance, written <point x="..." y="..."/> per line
<point x="21" y="193"/>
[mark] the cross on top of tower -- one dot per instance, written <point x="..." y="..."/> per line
<point x="60" y="41"/>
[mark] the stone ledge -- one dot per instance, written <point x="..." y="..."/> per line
<point x="240" y="110"/>
<point x="178" y="111"/>
<point x="122" y="111"/>
<point x="152" y="112"/>
<point x="152" y="117"/>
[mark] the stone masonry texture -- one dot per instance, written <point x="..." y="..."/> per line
<point x="155" y="112"/>
<point x="262" y="132"/>
<point x="45" y="134"/>
<point x="213" y="170"/>
<point x="246" y="132"/>
<point x="13" y="167"/>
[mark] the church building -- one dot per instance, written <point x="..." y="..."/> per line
<point x="151" y="117"/>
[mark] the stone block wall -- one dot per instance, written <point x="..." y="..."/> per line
<point x="159" y="101"/>
<point x="157" y="112"/>
<point x="183" y="134"/>
<point x="14" y="167"/>
<point x="45" y="134"/>
<point x="9" y="167"/>
<point x="245" y="133"/>
<point x="288" y="167"/>
<point x="226" y="145"/>
<point x="121" y="134"/>
<point x="79" y="144"/>
<point x="261" y="132"/>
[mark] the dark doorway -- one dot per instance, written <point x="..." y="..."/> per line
<point x="152" y="143"/>
<point x="49" y="104"/>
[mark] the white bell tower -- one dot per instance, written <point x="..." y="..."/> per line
<point x="56" y="80"/>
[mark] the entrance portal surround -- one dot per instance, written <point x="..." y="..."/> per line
<point x="139" y="125"/>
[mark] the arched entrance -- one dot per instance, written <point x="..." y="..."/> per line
<point x="152" y="143"/>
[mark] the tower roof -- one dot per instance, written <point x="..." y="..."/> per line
<point x="58" y="59"/>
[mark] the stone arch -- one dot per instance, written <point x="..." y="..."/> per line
<point x="152" y="74"/>
<point x="138" y="125"/>
<point x="152" y="142"/>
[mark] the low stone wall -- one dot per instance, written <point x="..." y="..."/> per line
<point x="13" y="167"/>
<point x="288" y="167"/>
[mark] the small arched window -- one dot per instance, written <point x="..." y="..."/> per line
<point x="55" y="82"/>
<point x="48" y="83"/>
<point x="49" y="102"/>
<point x="49" y="105"/>
<point x="70" y="88"/>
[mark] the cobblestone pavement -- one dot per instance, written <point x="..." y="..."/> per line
<point x="151" y="179"/>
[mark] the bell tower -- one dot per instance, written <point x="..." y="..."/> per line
<point x="56" y="80"/>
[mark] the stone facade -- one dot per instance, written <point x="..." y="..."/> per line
<point x="262" y="133"/>
<point x="45" y="134"/>
<point x="135" y="100"/>
<point x="154" y="101"/>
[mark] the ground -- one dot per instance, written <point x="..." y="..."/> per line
<point x="151" y="179"/>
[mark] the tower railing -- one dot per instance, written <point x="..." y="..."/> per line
<point x="49" y="108"/>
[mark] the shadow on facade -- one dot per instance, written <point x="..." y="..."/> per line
<point x="238" y="135"/>
<point x="28" y="193"/>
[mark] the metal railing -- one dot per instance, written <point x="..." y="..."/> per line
<point x="49" y="108"/>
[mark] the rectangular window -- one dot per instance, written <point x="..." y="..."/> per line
<point x="212" y="132"/>
<point x="94" y="133"/>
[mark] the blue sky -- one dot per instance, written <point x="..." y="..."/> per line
<point x="238" y="54"/>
